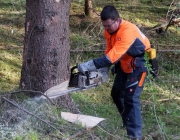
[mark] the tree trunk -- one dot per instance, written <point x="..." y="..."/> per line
<point x="46" y="54"/>
<point x="88" y="8"/>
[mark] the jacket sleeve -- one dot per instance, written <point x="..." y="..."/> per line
<point x="102" y="62"/>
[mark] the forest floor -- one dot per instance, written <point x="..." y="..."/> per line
<point x="160" y="100"/>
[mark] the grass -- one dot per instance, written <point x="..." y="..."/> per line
<point x="160" y="97"/>
<point x="10" y="65"/>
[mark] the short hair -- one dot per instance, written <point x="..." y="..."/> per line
<point x="109" y="12"/>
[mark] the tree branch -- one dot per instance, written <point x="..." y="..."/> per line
<point x="79" y="133"/>
<point x="32" y="92"/>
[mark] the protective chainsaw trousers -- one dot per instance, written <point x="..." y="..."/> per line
<point x="125" y="93"/>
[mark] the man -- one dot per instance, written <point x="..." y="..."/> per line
<point x="125" y="47"/>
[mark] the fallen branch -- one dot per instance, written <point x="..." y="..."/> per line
<point x="30" y="91"/>
<point x="109" y="133"/>
<point x="103" y="50"/>
<point x="160" y="26"/>
<point x="163" y="100"/>
<point x="168" y="50"/>
<point x="159" y="126"/>
<point x="168" y="45"/>
<point x="16" y="105"/>
<point x="175" y="20"/>
<point x="79" y="133"/>
<point x="86" y="50"/>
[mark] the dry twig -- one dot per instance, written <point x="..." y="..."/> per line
<point x="32" y="91"/>
<point x="163" y="100"/>
<point x="79" y="133"/>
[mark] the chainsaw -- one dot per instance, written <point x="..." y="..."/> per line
<point x="80" y="81"/>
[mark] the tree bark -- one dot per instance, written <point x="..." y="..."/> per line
<point x="88" y="8"/>
<point x="46" y="55"/>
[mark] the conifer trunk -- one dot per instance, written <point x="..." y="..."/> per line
<point x="46" y="54"/>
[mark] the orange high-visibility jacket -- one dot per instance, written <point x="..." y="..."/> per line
<point x="127" y="45"/>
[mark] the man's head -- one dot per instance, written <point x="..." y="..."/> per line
<point x="110" y="18"/>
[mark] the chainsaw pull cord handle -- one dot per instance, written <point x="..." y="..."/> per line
<point x="87" y="80"/>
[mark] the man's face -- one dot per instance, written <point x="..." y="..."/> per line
<point x="111" y="25"/>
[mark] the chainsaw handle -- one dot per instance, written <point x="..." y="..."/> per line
<point x="73" y="68"/>
<point x="86" y="74"/>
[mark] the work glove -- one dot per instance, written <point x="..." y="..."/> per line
<point x="87" y="67"/>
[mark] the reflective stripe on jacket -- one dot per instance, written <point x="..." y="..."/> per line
<point x="127" y="45"/>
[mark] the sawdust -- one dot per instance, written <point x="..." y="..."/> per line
<point x="15" y="122"/>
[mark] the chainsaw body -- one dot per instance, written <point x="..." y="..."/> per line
<point x="80" y="80"/>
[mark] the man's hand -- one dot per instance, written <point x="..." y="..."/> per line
<point x="87" y="67"/>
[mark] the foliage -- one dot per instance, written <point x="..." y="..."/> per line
<point x="160" y="98"/>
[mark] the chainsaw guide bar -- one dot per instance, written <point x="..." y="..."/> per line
<point x="70" y="91"/>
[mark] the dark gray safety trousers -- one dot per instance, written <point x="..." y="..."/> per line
<point x="125" y="93"/>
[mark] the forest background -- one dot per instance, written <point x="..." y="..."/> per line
<point x="160" y="98"/>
